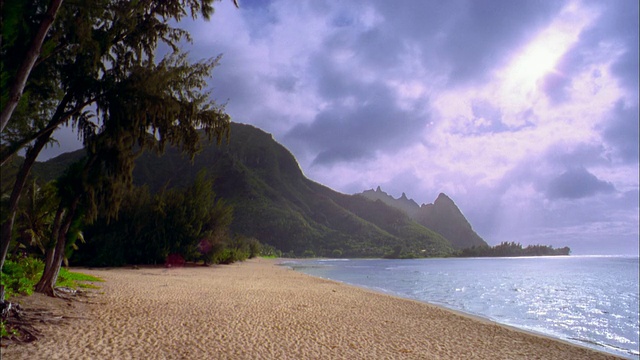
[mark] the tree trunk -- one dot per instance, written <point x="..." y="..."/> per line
<point x="21" y="180"/>
<point x="51" y="246"/>
<point x="50" y="275"/>
<point x="20" y="80"/>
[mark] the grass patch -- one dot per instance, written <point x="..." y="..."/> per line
<point x="75" y="280"/>
<point x="20" y="276"/>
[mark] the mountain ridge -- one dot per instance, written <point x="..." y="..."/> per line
<point x="275" y="203"/>
<point x="442" y="216"/>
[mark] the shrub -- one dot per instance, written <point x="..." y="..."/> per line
<point x="20" y="276"/>
<point x="255" y="248"/>
<point x="269" y="251"/>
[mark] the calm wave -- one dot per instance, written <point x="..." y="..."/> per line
<point x="591" y="301"/>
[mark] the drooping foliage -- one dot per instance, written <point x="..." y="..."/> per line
<point x="100" y="56"/>
<point x="190" y="224"/>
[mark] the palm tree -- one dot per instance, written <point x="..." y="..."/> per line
<point x="35" y="217"/>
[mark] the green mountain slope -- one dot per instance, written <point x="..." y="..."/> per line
<point x="275" y="203"/>
<point x="443" y="217"/>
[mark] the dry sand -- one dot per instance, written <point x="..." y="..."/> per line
<point x="257" y="310"/>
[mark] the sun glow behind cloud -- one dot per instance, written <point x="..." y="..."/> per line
<point x="540" y="56"/>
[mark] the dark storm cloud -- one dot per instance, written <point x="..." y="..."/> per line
<point x="468" y="38"/>
<point x="565" y="156"/>
<point x="488" y="30"/>
<point x="621" y="132"/>
<point x="344" y="132"/>
<point x="378" y="48"/>
<point x="285" y="83"/>
<point x="362" y="115"/>
<point x="577" y="183"/>
<point x="619" y="25"/>
<point x="565" y="175"/>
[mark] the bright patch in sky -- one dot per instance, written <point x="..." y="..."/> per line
<point x="540" y="56"/>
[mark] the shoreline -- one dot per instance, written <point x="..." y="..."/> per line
<point x="568" y="338"/>
<point x="472" y="316"/>
<point x="260" y="309"/>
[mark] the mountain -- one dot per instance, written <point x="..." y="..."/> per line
<point x="275" y="203"/>
<point x="443" y="217"/>
<point x="403" y="203"/>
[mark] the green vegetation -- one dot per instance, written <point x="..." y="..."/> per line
<point x="274" y="203"/>
<point x="75" y="280"/>
<point x="177" y="224"/>
<point x="6" y="332"/>
<point x="19" y="276"/>
<point x="97" y="72"/>
<point x="507" y="249"/>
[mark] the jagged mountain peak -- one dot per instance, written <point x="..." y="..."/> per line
<point x="443" y="216"/>
<point x="409" y="206"/>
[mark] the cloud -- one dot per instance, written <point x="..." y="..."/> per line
<point x="618" y="30"/>
<point x="467" y="39"/>
<point x="610" y="43"/>
<point x="577" y="183"/>
<point x="359" y="127"/>
<point x="564" y="155"/>
<point x="621" y="131"/>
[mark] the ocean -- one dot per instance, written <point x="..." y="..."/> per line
<point x="587" y="300"/>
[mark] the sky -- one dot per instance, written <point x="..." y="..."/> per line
<point x="525" y="113"/>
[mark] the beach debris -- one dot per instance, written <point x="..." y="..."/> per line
<point x="19" y="323"/>
<point x="66" y="290"/>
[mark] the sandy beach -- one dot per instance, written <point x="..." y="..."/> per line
<point x="258" y="310"/>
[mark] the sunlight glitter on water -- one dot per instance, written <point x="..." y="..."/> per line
<point x="592" y="301"/>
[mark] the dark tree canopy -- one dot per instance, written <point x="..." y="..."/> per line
<point x="96" y="71"/>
